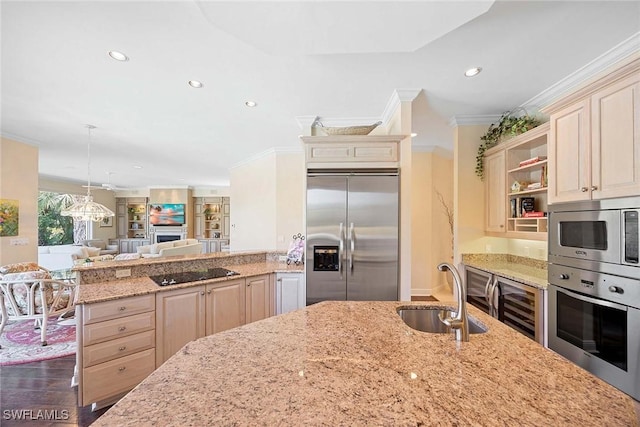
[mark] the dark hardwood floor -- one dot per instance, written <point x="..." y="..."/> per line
<point x="40" y="394"/>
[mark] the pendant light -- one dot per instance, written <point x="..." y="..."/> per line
<point x="86" y="209"/>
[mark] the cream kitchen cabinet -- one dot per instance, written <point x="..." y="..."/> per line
<point x="225" y="306"/>
<point x="260" y="297"/>
<point x="521" y="160"/>
<point x="496" y="192"/>
<point x="116" y="348"/>
<point x="344" y="151"/>
<point x="184" y="315"/>
<point x="594" y="144"/>
<point x="180" y="318"/>
<point x="290" y="292"/>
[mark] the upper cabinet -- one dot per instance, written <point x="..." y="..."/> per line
<point x="131" y="217"/>
<point x="594" y="143"/>
<point x="345" y="151"/>
<point x="516" y="186"/>
<point x="211" y="217"/>
<point x="496" y="192"/>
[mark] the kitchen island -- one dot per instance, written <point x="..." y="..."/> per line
<point x="357" y="363"/>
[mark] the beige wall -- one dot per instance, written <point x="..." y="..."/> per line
<point x="267" y="201"/>
<point x="253" y="198"/>
<point x="290" y="193"/>
<point x="104" y="197"/>
<point x="19" y="181"/>
<point x="432" y="238"/>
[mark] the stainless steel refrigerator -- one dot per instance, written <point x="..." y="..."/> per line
<point x="352" y="236"/>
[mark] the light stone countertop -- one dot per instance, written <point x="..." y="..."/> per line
<point x="357" y="363"/>
<point x="133" y="286"/>
<point x="525" y="270"/>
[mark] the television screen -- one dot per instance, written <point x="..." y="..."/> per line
<point x="166" y="214"/>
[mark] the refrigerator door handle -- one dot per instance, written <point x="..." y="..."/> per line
<point x="352" y="244"/>
<point x="341" y="249"/>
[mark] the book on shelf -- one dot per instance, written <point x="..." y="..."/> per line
<point x="543" y="176"/>
<point x="519" y="205"/>
<point x="532" y="160"/>
<point x="534" y="214"/>
<point x="527" y="204"/>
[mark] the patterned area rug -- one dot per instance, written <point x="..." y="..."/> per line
<point x="21" y="342"/>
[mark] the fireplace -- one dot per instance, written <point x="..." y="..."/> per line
<point x="160" y="238"/>
<point x="167" y="234"/>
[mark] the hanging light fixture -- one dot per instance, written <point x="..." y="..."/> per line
<point x="86" y="209"/>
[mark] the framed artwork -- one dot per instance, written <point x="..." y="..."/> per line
<point x="9" y="217"/>
<point x="107" y="222"/>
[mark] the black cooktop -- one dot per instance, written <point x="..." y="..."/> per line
<point x="192" y="276"/>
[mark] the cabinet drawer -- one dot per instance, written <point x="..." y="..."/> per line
<point x="117" y="328"/>
<point x="109" y="379"/>
<point x="92" y="313"/>
<point x="109" y="350"/>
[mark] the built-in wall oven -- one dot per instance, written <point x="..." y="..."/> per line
<point x="594" y="288"/>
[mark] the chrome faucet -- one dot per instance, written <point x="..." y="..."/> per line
<point x="459" y="322"/>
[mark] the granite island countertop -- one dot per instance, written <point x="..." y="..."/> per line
<point x="134" y="286"/>
<point x="357" y="363"/>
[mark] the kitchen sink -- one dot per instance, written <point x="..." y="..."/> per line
<point x="427" y="319"/>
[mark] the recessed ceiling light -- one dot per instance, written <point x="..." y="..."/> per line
<point x="137" y="167"/>
<point x="251" y="103"/>
<point x="473" y="71"/>
<point x="118" y="56"/>
<point x="196" y="84"/>
<point x="413" y="135"/>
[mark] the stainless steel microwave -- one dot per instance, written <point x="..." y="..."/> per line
<point x="601" y="231"/>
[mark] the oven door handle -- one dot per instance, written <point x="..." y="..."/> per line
<point x="590" y="300"/>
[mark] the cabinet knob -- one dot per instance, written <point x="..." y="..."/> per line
<point x="201" y="292"/>
<point x="594" y="188"/>
<point x="123" y="308"/>
<point x="122" y="328"/>
<point x="123" y="348"/>
<point x="209" y="291"/>
<point x="563" y="276"/>
<point x="122" y="368"/>
<point x="584" y="189"/>
<point x="616" y="289"/>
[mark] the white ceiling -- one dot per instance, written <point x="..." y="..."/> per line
<point x="332" y="59"/>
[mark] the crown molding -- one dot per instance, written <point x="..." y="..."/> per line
<point x="305" y="122"/>
<point x="617" y="53"/>
<point x="265" y="153"/>
<point x="347" y="121"/>
<point x="397" y="97"/>
<point x="21" y="139"/>
<point x="470" y="120"/>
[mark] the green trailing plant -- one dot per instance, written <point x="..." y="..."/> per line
<point x="510" y="124"/>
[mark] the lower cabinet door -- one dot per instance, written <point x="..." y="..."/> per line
<point x="109" y="379"/>
<point x="290" y="295"/>
<point x="225" y="306"/>
<point x="258" y="298"/>
<point x="180" y="318"/>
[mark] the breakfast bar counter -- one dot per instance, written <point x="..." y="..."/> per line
<point x="134" y="286"/>
<point x="358" y="363"/>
